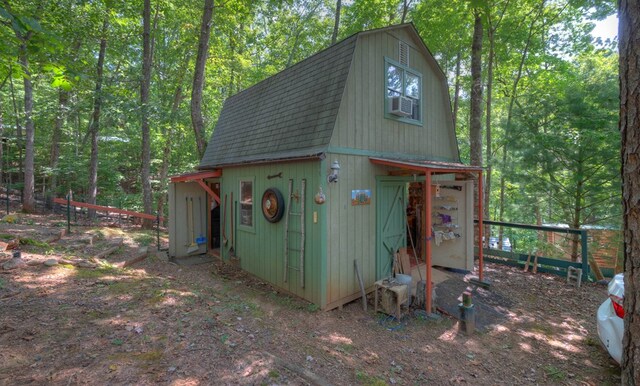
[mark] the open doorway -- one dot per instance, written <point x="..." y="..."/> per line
<point x="215" y="218"/>
<point x="415" y="216"/>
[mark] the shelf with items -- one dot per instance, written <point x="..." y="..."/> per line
<point x="444" y="219"/>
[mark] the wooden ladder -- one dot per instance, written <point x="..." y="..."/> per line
<point x="287" y="242"/>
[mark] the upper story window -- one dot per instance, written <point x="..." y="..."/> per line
<point x="403" y="92"/>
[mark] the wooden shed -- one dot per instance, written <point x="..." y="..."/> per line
<point x="326" y="163"/>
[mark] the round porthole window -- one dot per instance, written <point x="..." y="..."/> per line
<point x="272" y="205"/>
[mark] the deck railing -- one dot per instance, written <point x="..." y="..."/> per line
<point x="523" y="246"/>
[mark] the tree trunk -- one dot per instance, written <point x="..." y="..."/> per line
<point x="3" y="164"/>
<point x="198" y="77"/>
<point x="145" y="172"/>
<point x="476" y="100"/>
<point x="336" y="23"/>
<point x="488" y="148"/>
<point x="507" y="130"/>
<point x="16" y="112"/>
<point x="456" y="92"/>
<point x="168" y="134"/>
<point x="28" y="198"/>
<point x="294" y="48"/>
<point x="476" y="92"/>
<point x="578" y="198"/>
<point x="56" y="136"/>
<point x="629" y="48"/>
<point x="95" y="124"/>
<point x="405" y="10"/>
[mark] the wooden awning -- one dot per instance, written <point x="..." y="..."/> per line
<point x="436" y="167"/>
<point x="428" y="168"/>
<point x="199" y="177"/>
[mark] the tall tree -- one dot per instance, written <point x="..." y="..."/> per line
<point x="563" y="138"/>
<point x="63" y="100"/>
<point x="95" y="121"/>
<point x="476" y="90"/>
<point x="629" y="37"/>
<point x="513" y="94"/>
<point x="198" y="77"/>
<point x="336" y="24"/>
<point x="476" y="99"/>
<point x="492" y="27"/>
<point x="144" y="110"/>
<point x="24" y="33"/>
<point x="406" y="4"/>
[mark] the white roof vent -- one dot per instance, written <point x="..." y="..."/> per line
<point x="403" y="53"/>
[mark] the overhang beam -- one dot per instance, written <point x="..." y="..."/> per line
<point x="199" y="177"/>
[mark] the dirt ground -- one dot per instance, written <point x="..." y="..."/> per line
<point x="157" y="322"/>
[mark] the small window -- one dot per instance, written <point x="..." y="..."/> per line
<point x="246" y="203"/>
<point x="402" y="81"/>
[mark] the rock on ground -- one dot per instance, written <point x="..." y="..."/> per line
<point x="13" y="264"/>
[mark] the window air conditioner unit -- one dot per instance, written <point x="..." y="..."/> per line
<point x="401" y="106"/>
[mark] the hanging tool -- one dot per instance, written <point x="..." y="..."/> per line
<point x="413" y="248"/>
<point x="231" y="251"/>
<point x="201" y="239"/>
<point x="186" y="200"/>
<point x="190" y="225"/>
<point x="362" y="291"/>
<point x="224" y="222"/>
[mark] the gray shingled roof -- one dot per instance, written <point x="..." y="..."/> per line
<point x="289" y="115"/>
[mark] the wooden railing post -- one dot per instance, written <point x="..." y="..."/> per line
<point x="585" y="254"/>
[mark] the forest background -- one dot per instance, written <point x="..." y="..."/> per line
<point x="109" y="98"/>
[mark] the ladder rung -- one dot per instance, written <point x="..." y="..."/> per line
<point x="290" y="231"/>
<point x="294" y="249"/>
<point x="295" y="214"/>
<point x="294" y="268"/>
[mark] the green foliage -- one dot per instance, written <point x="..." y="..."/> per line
<point x="369" y="380"/>
<point x="35" y="243"/>
<point x="554" y="373"/>
<point x="559" y="117"/>
<point x="145" y="239"/>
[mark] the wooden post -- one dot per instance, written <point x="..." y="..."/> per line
<point x="427" y="239"/>
<point x="69" y="212"/>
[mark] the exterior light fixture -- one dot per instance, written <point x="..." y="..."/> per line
<point x="335" y="168"/>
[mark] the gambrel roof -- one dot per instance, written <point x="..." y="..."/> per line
<point x="289" y="115"/>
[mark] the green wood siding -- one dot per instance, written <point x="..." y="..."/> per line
<point x="344" y="118"/>
<point x="351" y="232"/>
<point x="261" y="248"/>
<point x="361" y="122"/>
